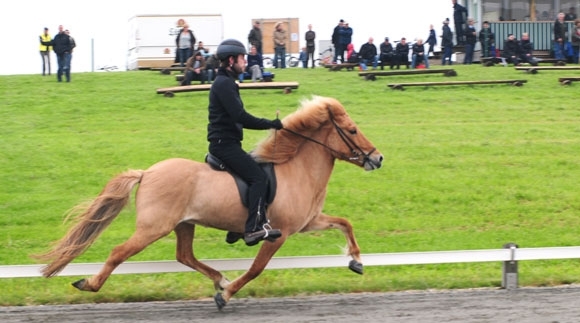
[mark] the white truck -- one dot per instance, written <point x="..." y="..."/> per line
<point x="152" y="37"/>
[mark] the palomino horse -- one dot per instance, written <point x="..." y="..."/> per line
<point x="178" y="194"/>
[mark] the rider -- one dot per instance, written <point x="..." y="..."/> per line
<point x="227" y="118"/>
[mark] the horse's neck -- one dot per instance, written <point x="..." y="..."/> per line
<point x="315" y="164"/>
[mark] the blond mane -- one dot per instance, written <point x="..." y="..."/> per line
<point x="279" y="147"/>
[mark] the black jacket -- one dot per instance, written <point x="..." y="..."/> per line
<point x="447" y="37"/>
<point x="227" y="116"/>
<point x="510" y="48"/>
<point x="367" y="51"/>
<point x="459" y="14"/>
<point x="61" y="44"/>
<point x="470" y="35"/>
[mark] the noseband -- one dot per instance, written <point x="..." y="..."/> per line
<point x="355" y="150"/>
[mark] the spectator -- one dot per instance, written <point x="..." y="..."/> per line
<point x="212" y="64"/>
<point x="345" y="34"/>
<point x="61" y="44"/>
<point x="280" y="40"/>
<point x="419" y="56"/>
<point x="510" y="50"/>
<point x="446" y="42"/>
<point x="459" y="19"/>
<point x="431" y="40"/>
<point x="204" y="51"/>
<point x="386" y="53"/>
<point x="255" y="37"/>
<point x="526" y="49"/>
<point x="254" y="65"/>
<point x="73" y="44"/>
<point x="338" y="49"/>
<point x="351" y="54"/>
<point x="45" y="48"/>
<point x="576" y="41"/>
<point x="304" y="57"/>
<point x="310" y="36"/>
<point x="470" y="36"/>
<point x="571" y="15"/>
<point x="195" y="69"/>
<point x="401" y="54"/>
<point x="368" y="54"/>
<point x="184" y="41"/>
<point x="560" y="28"/>
<point x="487" y="39"/>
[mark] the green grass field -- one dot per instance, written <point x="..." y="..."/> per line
<point x="466" y="167"/>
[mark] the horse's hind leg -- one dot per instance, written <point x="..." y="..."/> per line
<point x="138" y="241"/>
<point x="324" y="222"/>
<point x="184" y="255"/>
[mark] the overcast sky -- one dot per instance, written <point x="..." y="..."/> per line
<point x="105" y="22"/>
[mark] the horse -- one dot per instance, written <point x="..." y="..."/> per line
<point x="177" y="194"/>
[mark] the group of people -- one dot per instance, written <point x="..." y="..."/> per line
<point x="62" y="44"/>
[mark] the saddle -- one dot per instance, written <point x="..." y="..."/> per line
<point x="268" y="168"/>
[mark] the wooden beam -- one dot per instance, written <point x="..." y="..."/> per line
<point x="401" y="86"/>
<point x="568" y="80"/>
<point x="535" y="69"/>
<point x="446" y="72"/>
<point x="248" y="85"/>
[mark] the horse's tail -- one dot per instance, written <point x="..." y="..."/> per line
<point x="91" y="220"/>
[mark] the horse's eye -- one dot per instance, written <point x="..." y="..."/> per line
<point x="352" y="132"/>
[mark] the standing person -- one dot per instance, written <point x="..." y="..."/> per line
<point x="487" y="40"/>
<point x="571" y="15"/>
<point x="303" y="57"/>
<point x="576" y="40"/>
<point x="227" y="118"/>
<point x="338" y="50"/>
<point x="446" y="42"/>
<point x="561" y="38"/>
<point x="73" y="44"/>
<point x="310" y="36"/>
<point x="431" y="40"/>
<point x="280" y="39"/>
<point x="62" y="47"/>
<point x="345" y="38"/>
<point x="45" y="49"/>
<point x="470" y="41"/>
<point x="255" y="37"/>
<point x="459" y="20"/>
<point x="184" y="41"/>
<point x="368" y="54"/>
<point x="386" y="53"/>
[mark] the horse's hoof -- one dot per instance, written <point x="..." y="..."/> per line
<point x="356" y="266"/>
<point x="80" y="284"/>
<point x="219" y="301"/>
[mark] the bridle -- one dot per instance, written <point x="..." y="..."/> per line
<point x="356" y="151"/>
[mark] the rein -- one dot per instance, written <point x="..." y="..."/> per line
<point x="355" y="150"/>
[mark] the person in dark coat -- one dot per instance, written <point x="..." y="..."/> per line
<point x="227" y="119"/>
<point x="470" y="41"/>
<point x="62" y="47"/>
<point x="526" y="49"/>
<point x="338" y="50"/>
<point x="431" y="40"/>
<point x="511" y="49"/>
<point x="401" y="54"/>
<point x="459" y="20"/>
<point x="368" y="54"/>
<point x="386" y="53"/>
<point x="487" y="40"/>
<point x="446" y="42"/>
<point x="255" y="37"/>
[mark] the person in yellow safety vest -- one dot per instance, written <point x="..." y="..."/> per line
<point x="45" y="48"/>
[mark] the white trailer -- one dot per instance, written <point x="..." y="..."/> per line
<point x="152" y="37"/>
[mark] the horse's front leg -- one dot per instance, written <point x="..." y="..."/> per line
<point x="267" y="251"/>
<point x="325" y="222"/>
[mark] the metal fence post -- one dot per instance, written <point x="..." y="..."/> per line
<point x="510" y="268"/>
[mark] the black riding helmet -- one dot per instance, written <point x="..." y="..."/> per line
<point x="230" y="47"/>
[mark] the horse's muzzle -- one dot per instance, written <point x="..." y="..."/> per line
<point x="373" y="162"/>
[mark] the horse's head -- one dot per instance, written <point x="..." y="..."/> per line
<point x="322" y="121"/>
<point x="346" y="140"/>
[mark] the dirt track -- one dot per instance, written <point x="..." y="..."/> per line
<point x="524" y="305"/>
